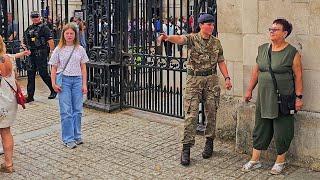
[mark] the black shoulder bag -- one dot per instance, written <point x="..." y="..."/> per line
<point x="287" y="103"/>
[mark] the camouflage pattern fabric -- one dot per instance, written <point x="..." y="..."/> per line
<point x="204" y="56"/>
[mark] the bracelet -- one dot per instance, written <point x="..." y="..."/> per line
<point x="227" y="78"/>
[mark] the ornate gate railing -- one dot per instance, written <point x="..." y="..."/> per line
<point x="14" y="19"/>
<point x="156" y="71"/>
<point x="104" y="42"/>
<point x="128" y="67"/>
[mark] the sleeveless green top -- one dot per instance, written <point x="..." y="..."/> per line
<point x="281" y="64"/>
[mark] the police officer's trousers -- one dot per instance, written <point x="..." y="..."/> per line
<point x="280" y="128"/>
<point x="200" y="89"/>
<point x="38" y="63"/>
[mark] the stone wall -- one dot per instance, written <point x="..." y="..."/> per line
<point x="242" y="26"/>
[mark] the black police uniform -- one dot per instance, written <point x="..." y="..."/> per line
<point x="36" y="39"/>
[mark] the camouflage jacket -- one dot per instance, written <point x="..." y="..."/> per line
<point x="204" y="54"/>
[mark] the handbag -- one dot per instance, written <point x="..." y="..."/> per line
<point x="21" y="99"/>
<point x="287" y="103"/>
<point x="60" y="75"/>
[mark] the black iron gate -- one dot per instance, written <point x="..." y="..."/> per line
<point x="128" y="67"/>
<point x="14" y="19"/>
<point x="155" y="74"/>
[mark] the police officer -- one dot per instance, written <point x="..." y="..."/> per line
<point x="206" y="54"/>
<point x="38" y="39"/>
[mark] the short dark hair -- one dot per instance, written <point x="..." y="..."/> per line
<point x="287" y="26"/>
<point x="72" y="19"/>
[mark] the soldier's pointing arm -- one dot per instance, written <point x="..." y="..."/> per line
<point x="181" y="39"/>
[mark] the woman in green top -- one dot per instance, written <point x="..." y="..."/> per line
<point x="287" y="68"/>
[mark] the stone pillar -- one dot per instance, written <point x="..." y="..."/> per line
<point x="245" y="123"/>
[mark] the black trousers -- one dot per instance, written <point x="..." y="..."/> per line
<point x="168" y="45"/>
<point x="38" y="63"/>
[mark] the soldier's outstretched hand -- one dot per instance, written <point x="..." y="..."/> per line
<point x="228" y="84"/>
<point x="163" y="37"/>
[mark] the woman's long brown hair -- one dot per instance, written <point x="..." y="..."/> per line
<point x="62" y="41"/>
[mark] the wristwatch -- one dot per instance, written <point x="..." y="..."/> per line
<point x="299" y="96"/>
<point x="227" y="78"/>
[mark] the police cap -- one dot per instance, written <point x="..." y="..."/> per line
<point x="34" y="14"/>
<point x="206" y="18"/>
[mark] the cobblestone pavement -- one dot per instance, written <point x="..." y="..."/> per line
<point x="122" y="145"/>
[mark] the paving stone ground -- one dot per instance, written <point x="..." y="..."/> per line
<point x="130" y="144"/>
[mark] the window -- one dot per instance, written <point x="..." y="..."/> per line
<point x="191" y="10"/>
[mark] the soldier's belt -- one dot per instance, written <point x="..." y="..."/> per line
<point x="200" y="73"/>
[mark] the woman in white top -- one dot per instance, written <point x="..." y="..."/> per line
<point x="8" y="103"/>
<point x="69" y="58"/>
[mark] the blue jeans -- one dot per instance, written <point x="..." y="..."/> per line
<point x="71" y="105"/>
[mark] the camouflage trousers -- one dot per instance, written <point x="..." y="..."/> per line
<point x="198" y="89"/>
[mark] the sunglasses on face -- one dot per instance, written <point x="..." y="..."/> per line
<point x="274" y="30"/>
<point x="35" y="16"/>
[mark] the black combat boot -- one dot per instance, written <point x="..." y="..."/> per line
<point x="185" y="155"/>
<point x="208" y="148"/>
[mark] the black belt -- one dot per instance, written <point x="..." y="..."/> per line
<point x="200" y="73"/>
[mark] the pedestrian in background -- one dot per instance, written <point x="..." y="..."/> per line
<point x="69" y="58"/>
<point x="202" y="83"/>
<point x="82" y="34"/>
<point x="269" y="122"/>
<point x="8" y="103"/>
<point x="168" y="28"/>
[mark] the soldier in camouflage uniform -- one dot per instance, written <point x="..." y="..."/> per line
<point x="202" y="83"/>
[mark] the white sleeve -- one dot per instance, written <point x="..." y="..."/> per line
<point x="84" y="56"/>
<point x="54" y="59"/>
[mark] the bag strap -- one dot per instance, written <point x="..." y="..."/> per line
<point x="10" y="86"/>
<point x="68" y="59"/>
<point x="275" y="85"/>
<point x="2" y="77"/>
